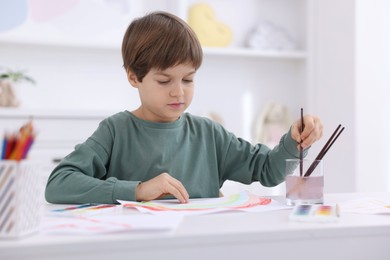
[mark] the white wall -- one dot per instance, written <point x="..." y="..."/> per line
<point x="348" y="84"/>
<point x="352" y="80"/>
<point x="372" y="95"/>
<point x="333" y="88"/>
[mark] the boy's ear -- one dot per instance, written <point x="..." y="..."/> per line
<point x="132" y="78"/>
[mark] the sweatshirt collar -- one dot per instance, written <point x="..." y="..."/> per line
<point x="149" y="124"/>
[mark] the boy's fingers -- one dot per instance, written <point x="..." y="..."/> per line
<point x="174" y="187"/>
<point x="309" y="127"/>
<point x="311" y="132"/>
<point x="179" y="191"/>
<point x="159" y="187"/>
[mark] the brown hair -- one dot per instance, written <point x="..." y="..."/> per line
<point x="159" y="40"/>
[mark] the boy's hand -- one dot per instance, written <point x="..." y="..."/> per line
<point x="160" y="186"/>
<point x="312" y="130"/>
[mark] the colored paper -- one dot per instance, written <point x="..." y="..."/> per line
<point x="244" y="201"/>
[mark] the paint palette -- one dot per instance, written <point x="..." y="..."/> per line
<point x="315" y="213"/>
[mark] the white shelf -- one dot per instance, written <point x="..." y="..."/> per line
<point x="53" y="114"/>
<point x="207" y="51"/>
<point x="247" y="53"/>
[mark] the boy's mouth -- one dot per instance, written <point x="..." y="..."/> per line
<point x="176" y="105"/>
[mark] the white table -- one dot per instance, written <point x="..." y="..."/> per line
<point x="268" y="235"/>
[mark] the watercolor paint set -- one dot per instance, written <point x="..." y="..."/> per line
<point x="315" y="213"/>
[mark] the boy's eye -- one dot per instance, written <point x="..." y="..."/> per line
<point x="163" y="82"/>
<point x="188" y="80"/>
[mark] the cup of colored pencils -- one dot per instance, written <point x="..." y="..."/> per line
<point x="15" y="146"/>
<point x="20" y="186"/>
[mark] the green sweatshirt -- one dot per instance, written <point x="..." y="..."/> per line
<point x="125" y="150"/>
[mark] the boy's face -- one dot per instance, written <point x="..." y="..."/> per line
<point x="164" y="94"/>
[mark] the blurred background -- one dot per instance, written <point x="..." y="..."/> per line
<point x="263" y="61"/>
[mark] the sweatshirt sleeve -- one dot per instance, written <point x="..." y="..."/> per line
<point x="81" y="176"/>
<point x="247" y="163"/>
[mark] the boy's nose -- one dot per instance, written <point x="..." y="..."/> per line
<point x="177" y="90"/>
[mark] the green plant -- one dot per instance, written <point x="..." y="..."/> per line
<point x="15" y="76"/>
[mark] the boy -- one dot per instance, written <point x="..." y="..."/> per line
<point x="158" y="150"/>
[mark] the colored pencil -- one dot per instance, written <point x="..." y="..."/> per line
<point x="4" y="147"/>
<point x="17" y="145"/>
<point x="11" y="141"/>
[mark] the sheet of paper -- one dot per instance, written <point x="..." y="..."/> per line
<point x="366" y="206"/>
<point x="244" y="201"/>
<point x="108" y="224"/>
